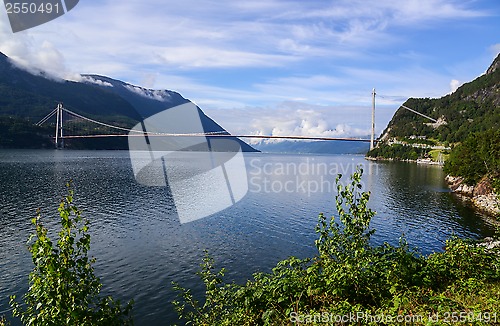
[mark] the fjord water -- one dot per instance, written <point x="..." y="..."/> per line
<point x="141" y="247"/>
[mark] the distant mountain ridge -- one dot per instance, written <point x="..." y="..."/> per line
<point x="30" y="96"/>
<point x="473" y="107"/>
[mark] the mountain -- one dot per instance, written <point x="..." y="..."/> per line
<point x="315" y="147"/>
<point x="31" y="95"/>
<point x="28" y="95"/>
<point x="148" y="102"/>
<point x="473" y="107"/>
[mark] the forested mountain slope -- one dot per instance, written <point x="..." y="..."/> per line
<point x="473" y="107"/>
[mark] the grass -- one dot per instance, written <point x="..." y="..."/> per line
<point x="434" y="154"/>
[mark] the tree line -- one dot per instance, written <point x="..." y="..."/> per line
<point x="476" y="157"/>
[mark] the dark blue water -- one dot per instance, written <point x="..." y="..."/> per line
<point x="141" y="246"/>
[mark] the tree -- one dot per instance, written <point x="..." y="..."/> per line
<point x="478" y="155"/>
<point x="63" y="287"/>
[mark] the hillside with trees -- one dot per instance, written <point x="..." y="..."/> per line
<point x="473" y="107"/>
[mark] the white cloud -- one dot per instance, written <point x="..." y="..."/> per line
<point x="205" y="57"/>
<point x="38" y="57"/>
<point x="454" y="84"/>
<point x="415" y="11"/>
<point x="149" y="80"/>
<point x="295" y="119"/>
<point x="406" y="81"/>
<point x="88" y="79"/>
<point x="114" y="39"/>
<point x="495" y="49"/>
<point x="158" y="95"/>
<point x="403" y="12"/>
<point x="227" y="34"/>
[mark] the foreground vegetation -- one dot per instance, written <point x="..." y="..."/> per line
<point x="352" y="281"/>
<point x="348" y="281"/>
<point x="63" y="287"/>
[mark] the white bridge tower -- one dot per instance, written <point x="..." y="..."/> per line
<point x="372" y="139"/>
<point x="59" y="140"/>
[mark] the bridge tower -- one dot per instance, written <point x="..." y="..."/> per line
<point x="59" y="140"/>
<point x="372" y="139"/>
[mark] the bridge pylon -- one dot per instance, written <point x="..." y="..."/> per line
<point x="59" y="140"/>
<point x="372" y="136"/>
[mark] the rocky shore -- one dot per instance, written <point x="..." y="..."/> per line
<point x="481" y="195"/>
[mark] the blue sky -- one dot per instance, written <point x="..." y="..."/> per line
<point x="273" y="67"/>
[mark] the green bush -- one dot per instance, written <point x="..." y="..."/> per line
<point x="63" y="287"/>
<point x="348" y="275"/>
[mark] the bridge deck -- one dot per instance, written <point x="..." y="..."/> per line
<point x="226" y="136"/>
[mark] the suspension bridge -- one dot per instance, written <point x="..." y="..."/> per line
<point x="71" y="125"/>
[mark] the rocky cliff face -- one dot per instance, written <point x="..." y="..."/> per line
<point x="494" y="66"/>
<point x="490" y="92"/>
<point x="481" y="195"/>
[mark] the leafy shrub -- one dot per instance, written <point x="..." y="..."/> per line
<point x="63" y="287"/>
<point x="350" y="276"/>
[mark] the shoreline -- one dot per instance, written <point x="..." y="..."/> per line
<point x="481" y="195"/>
<point x="418" y="161"/>
<point x="382" y="159"/>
